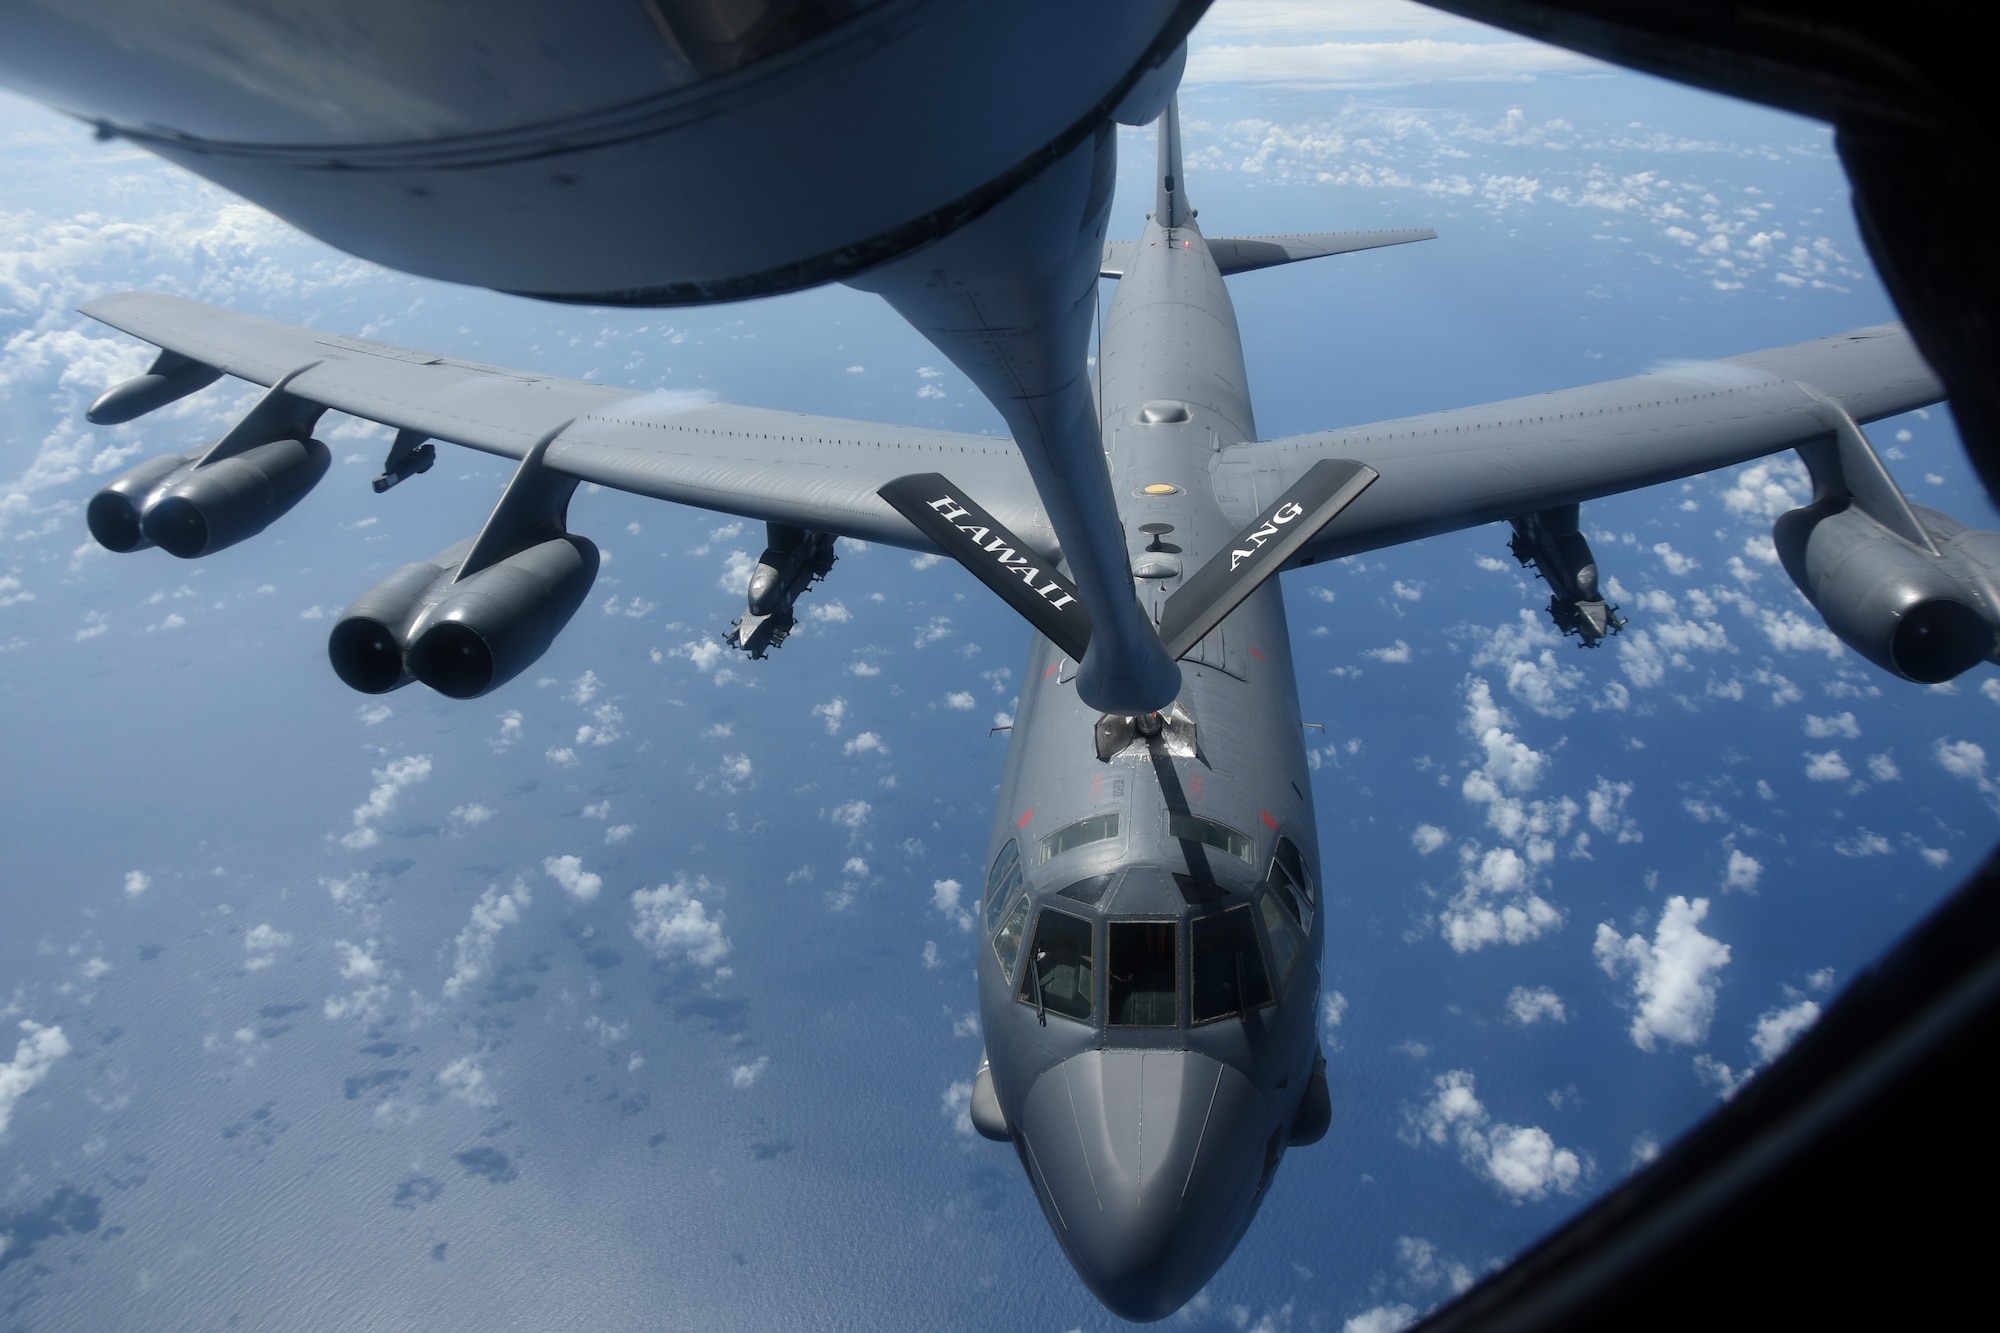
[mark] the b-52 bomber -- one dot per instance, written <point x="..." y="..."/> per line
<point x="1152" y="923"/>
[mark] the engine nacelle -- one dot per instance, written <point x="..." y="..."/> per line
<point x="192" y="509"/>
<point x="463" y="637"/>
<point x="1924" y="617"/>
<point x="114" y="514"/>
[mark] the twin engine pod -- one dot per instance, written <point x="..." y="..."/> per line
<point x="190" y="508"/>
<point x="463" y="635"/>
<point x="1924" y="617"/>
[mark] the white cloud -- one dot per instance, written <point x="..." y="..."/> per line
<point x="865" y="743"/>
<point x="510" y="731"/>
<point x="850" y="814"/>
<point x="834" y="711"/>
<point x="1526" y="1006"/>
<point x="137" y="882"/>
<point x="956" y="1106"/>
<point x="372" y="715"/>
<point x="359" y="964"/>
<point x="1398" y="652"/>
<point x="617" y="833"/>
<point x="1677" y="564"/>
<point x="1408" y="592"/>
<point x="262" y="943"/>
<point x="1882" y="768"/>
<point x="1743" y="872"/>
<point x="829" y="613"/>
<point x="390" y="781"/>
<point x="37" y="1051"/>
<point x="1840" y="725"/>
<point x="577" y="882"/>
<point x="1606" y="804"/>
<point x="1524" y="1163"/>
<point x="737" y="568"/>
<point x="1428" y="838"/>
<point x="1673" y="978"/>
<point x="1332" y="1012"/>
<point x="961" y="700"/>
<point x="744" y="1076"/>
<point x="1767" y="489"/>
<point x="1390" y="1318"/>
<point x="465" y="1079"/>
<point x="1827" y="767"/>
<point x="495" y="910"/>
<point x="703" y="653"/>
<point x="944" y="901"/>
<point x="938" y="630"/>
<point x="672" y="922"/>
<point x="1778" y="1028"/>
<point x="471" y="815"/>
<point x="1381" y="64"/>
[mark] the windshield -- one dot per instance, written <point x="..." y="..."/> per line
<point x="1058" y="978"/>
<point x="1142" y="965"/>
<point x="1001" y="881"/>
<point x="1228" y="966"/>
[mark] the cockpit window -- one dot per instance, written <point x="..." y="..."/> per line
<point x="1001" y="881"/>
<point x="1095" y="829"/>
<point x="1295" y="865"/>
<point x="1007" y="944"/>
<point x="1228" y="966"/>
<point x="1284" y="937"/>
<point x="1193" y="828"/>
<point x="1058" y="975"/>
<point x="1143" y="965"/>
<point x="1285" y="889"/>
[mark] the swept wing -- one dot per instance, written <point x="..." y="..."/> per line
<point x="818" y="473"/>
<point x="1444" y="471"/>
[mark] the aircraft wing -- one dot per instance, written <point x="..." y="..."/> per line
<point x="818" y="473"/>
<point x="1444" y="471"/>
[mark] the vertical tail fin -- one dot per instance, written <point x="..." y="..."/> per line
<point x="1171" y="207"/>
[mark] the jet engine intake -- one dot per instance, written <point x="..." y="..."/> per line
<point x="216" y="505"/>
<point x="1924" y="615"/>
<point x="115" y="513"/>
<point x="468" y="636"/>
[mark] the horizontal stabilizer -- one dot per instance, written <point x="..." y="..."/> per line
<point x="1260" y="550"/>
<point x="1240" y="254"/>
<point x="996" y="557"/>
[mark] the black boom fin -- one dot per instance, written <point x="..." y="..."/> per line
<point x="996" y="557"/>
<point x="1260" y="550"/>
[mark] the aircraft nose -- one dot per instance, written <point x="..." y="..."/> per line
<point x="1148" y="1163"/>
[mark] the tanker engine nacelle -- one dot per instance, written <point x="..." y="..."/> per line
<point x="462" y="635"/>
<point x="1925" y="615"/>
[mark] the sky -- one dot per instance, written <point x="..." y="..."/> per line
<point x="641" y="991"/>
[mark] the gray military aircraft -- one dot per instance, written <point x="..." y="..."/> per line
<point x="1149" y="972"/>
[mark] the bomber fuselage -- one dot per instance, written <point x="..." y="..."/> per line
<point x="1149" y="966"/>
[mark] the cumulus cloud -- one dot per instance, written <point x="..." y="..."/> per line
<point x="829" y="613"/>
<point x="465" y="1079"/>
<point x="1499" y="899"/>
<point x="1392" y="1317"/>
<point x="470" y="815"/>
<point x="262" y="943"/>
<point x="1742" y="872"/>
<point x="1841" y="725"/>
<point x="672" y="922"/>
<point x="865" y="743"/>
<point x="833" y="712"/>
<point x="390" y="781"/>
<point x="1778" y="1028"/>
<point x="1428" y="838"/>
<point x="850" y="814"/>
<point x="1332" y="1012"/>
<point x="34" y="1055"/>
<point x="1606" y="806"/>
<point x="495" y="910"/>
<point x="956" y="1107"/>
<point x="1674" y="977"/>
<point x="744" y="1076"/>
<point x="1397" y="652"/>
<point x="944" y="901"/>
<point x="137" y="882"/>
<point x="577" y="882"/>
<point x="1827" y="767"/>
<point x="358" y="964"/>
<point x="1527" y="1006"/>
<point x="1522" y="1162"/>
<point x="960" y="699"/>
<point x="510" y="731"/>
